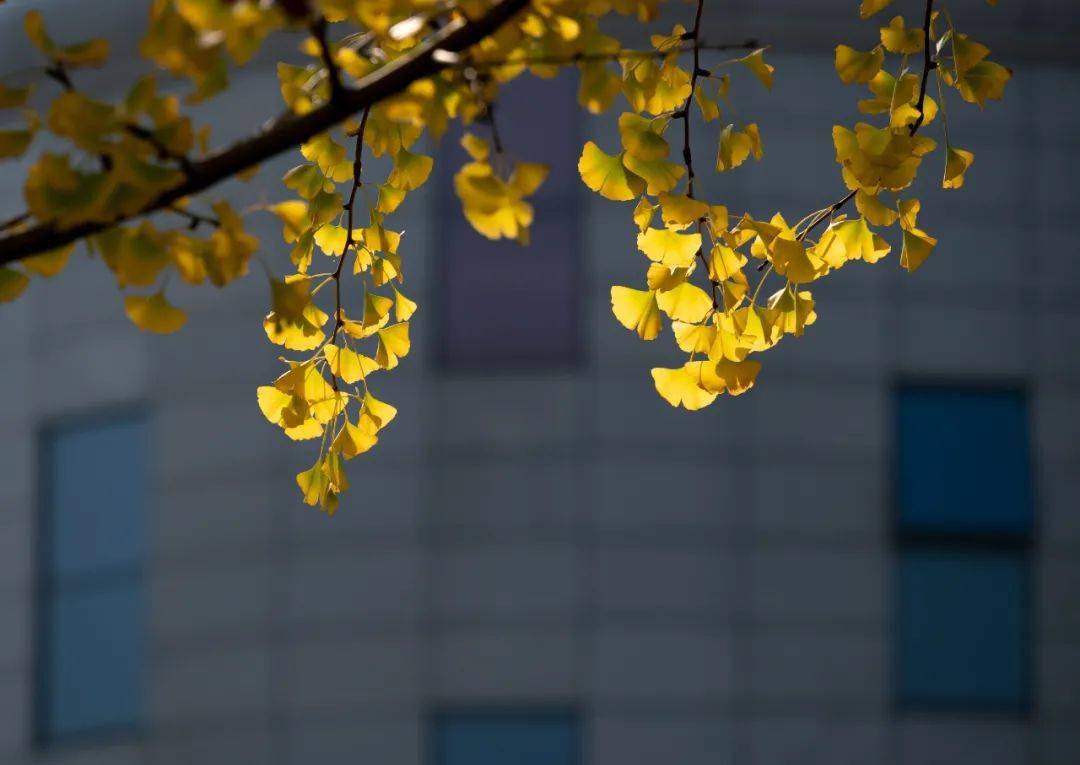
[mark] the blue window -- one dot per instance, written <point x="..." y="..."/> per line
<point x="90" y="610"/>
<point x="503" y="305"/>
<point x="507" y="738"/>
<point x="965" y="533"/>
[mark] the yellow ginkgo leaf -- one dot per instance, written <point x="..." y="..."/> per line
<point x="898" y="39"/>
<point x="957" y="161"/>
<point x="11" y="98"/>
<point x="49" y="264"/>
<point x="917" y="247"/>
<point x="874" y="210"/>
<point x="643" y="213"/>
<point x="606" y="175"/>
<point x="694" y="338"/>
<point x="349" y="365"/>
<point x="724" y="262"/>
<point x="681" y="210"/>
<point x="869" y="7"/>
<point x="640" y="139"/>
<point x="984" y="81"/>
<point x="153" y="313"/>
<point x="686" y="302"/>
<point x="376" y="413"/>
<point x="14" y="143"/>
<point x="637" y="310"/>
<point x="856" y="66"/>
<point x="393" y="344"/>
<point x="660" y="175"/>
<point x="410" y="170"/>
<point x="329" y="155"/>
<point x="726" y="376"/>
<point x="755" y="62"/>
<point x="356" y="439"/>
<point x="403" y="307"/>
<point x="12" y="284"/>
<point x="680" y="387"/>
<point x="272" y="402"/>
<point x="670" y="248"/>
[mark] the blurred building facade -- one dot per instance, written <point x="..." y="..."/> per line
<point x="872" y="557"/>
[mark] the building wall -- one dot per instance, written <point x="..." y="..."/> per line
<point x="702" y="588"/>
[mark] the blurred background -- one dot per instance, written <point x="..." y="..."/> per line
<point x="873" y="557"/>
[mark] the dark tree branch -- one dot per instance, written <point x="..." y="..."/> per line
<point x="284" y="133"/>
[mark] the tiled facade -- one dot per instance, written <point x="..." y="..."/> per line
<point x="700" y="588"/>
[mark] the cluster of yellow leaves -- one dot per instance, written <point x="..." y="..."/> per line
<point x="721" y="325"/>
<point x="717" y="327"/>
<point x="120" y="156"/>
<point x="341" y="314"/>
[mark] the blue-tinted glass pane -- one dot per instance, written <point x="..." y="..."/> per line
<point x="95" y="483"/>
<point x="964" y="461"/>
<point x="93" y="659"/>
<point x="511" y="739"/>
<point x="963" y="629"/>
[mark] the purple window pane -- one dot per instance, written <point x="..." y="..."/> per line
<point x="504" y="305"/>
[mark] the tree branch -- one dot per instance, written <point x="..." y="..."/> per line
<point x="284" y="133"/>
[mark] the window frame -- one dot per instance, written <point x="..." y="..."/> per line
<point x="1023" y="545"/>
<point x="46" y="588"/>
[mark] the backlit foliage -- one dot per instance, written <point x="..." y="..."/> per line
<point x="730" y="284"/>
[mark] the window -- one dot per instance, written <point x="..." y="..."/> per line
<point x="965" y="534"/>
<point x="503" y="305"/>
<point x="504" y="737"/>
<point x="90" y="602"/>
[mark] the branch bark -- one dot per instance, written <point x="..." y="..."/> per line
<point x="284" y="133"/>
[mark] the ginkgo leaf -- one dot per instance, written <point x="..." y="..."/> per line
<point x="680" y="387"/>
<point x="984" y="81"/>
<point x="726" y="376"/>
<point x="606" y="175"/>
<point x="856" y="66"/>
<point x="403" y="307"/>
<point x="272" y="402"/>
<point x="737" y="146"/>
<point x="660" y="175"/>
<point x="393" y="344"/>
<point x="639" y="139"/>
<point x="795" y="309"/>
<point x="681" y="210"/>
<point x="349" y="365"/>
<point x="11" y="98"/>
<point x="637" y="311"/>
<point x="410" y="170"/>
<point x="355" y="439"/>
<point x="898" y="39"/>
<point x="14" y="143"/>
<point x="686" y="302"/>
<point x="917" y="247"/>
<point x="49" y="264"/>
<point x="755" y="62"/>
<point x="869" y="7"/>
<point x="724" y="262"/>
<point x="643" y="213"/>
<point x="694" y="338"/>
<point x="670" y="248"/>
<point x="377" y="413"/>
<point x="300" y="335"/>
<point x="329" y="155"/>
<point x="12" y="284"/>
<point x="957" y="161"/>
<point x="874" y="210"/>
<point x="153" y="313"/>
